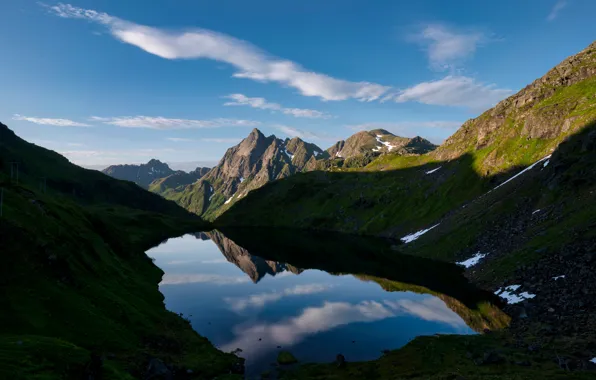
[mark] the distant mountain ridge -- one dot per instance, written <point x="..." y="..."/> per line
<point x="142" y="174"/>
<point x="379" y="141"/>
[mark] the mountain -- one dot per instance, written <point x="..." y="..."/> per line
<point x="255" y="161"/>
<point x="180" y="178"/>
<point x="379" y="140"/>
<point x="142" y="174"/>
<point x="76" y="282"/>
<point x="394" y="195"/>
<point x="255" y="267"/>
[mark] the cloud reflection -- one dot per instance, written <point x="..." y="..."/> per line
<point x="239" y="304"/>
<point x="173" y="279"/>
<point x="313" y="320"/>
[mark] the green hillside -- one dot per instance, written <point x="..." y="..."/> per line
<point x="396" y="195"/>
<point x="79" y="295"/>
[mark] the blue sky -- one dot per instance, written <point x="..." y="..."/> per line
<point x="111" y="81"/>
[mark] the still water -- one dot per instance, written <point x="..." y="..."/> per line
<point x="239" y="300"/>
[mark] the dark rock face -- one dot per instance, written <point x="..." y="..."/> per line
<point x="142" y="174"/>
<point x="251" y="164"/>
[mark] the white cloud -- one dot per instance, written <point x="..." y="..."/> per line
<point x="454" y="91"/>
<point x="262" y="103"/>
<point x="166" y="123"/>
<point x="231" y="140"/>
<point x="256" y="301"/>
<point x="253" y="63"/>
<point x="226" y="140"/>
<point x="558" y="7"/>
<point x="406" y="125"/>
<point x="250" y="61"/>
<point x="296" y="132"/>
<point x="179" y="139"/>
<point x="174" y="279"/>
<point x="48" y="121"/>
<point x="447" y="47"/>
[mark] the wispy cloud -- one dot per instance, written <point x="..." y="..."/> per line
<point x="167" y="123"/>
<point x="49" y="121"/>
<point x="557" y="8"/>
<point x="230" y="140"/>
<point x="296" y="132"/>
<point x="253" y="63"/>
<point x="174" y="279"/>
<point x="405" y="125"/>
<point x="179" y="139"/>
<point x="207" y="139"/>
<point x="250" y="61"/>
<point x="259" y="300"/>
<point x="447" y="47"/>
<point x="454" y="91"/>
<point x="262" y="103"/>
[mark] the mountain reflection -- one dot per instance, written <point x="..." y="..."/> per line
<point x="255" y="267"/>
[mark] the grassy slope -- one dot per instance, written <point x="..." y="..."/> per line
<point x="75" y="278"/>
<point x="393" y="196"/>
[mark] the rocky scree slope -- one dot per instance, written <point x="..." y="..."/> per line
<point x="397" y="195"/>
<point x="255" y="161"/>
<point x="142" y="174"/>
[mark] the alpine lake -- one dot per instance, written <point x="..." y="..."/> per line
<point x="258" y="293"/>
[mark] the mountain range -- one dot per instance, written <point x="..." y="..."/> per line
<point x="258" y="160"/>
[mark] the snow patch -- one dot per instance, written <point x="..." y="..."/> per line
<point x="511" y="297"/>
<point x="291" y="156"/>
<point x="432" y="171"/>
<point x="472" y="260"/>
<point x="387" y="144"/>
<point x="546" y="163"/>
<point x="241" y="179"/>
<point x="410" y="238"/>
<point x="316" y="153"/>
<point x="536" y="211"/>
<point x="338" y="154"/>
<point x="211" y="191"/>
<point x="522" y="172"/>
<point x="593" y="360"/>
<point x="229" y="200"/>
<point x="558" y="277"/>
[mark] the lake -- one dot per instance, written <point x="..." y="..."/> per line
<point x="316" y="295"/>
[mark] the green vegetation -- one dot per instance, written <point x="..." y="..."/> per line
<point x="286" y="357"/>
<point x="490" y="356"/>
<point x="393" y="195"/>
<point x="76" y="283"/>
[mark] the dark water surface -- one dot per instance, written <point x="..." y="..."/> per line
<point x="314" y="295"/>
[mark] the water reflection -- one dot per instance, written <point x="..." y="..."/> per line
<point x="339" y="294"/>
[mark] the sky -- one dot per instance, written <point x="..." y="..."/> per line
<point x="110" y="82"/>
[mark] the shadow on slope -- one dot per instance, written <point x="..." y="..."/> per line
<point x="385" y="202"/>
